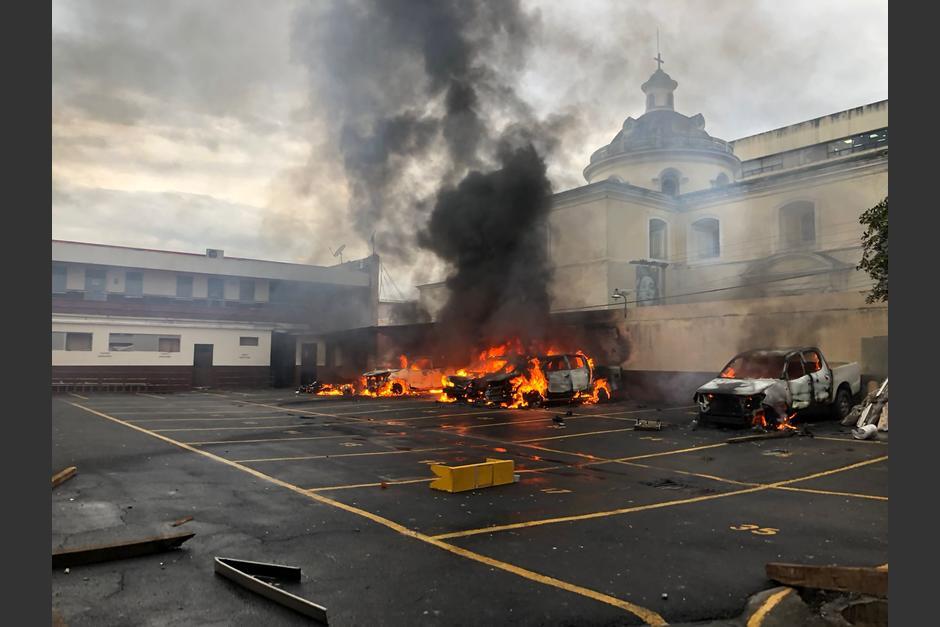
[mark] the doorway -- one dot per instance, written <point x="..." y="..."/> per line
<point x="283" y="347"/>
<point x="202" y="365"/>
<point x="308" y="362"/>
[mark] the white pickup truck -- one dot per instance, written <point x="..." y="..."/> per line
<point x="778" y="382"/>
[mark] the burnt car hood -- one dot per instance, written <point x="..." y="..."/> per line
<point x="379" y="372"/>
<point x="737" y="387"/>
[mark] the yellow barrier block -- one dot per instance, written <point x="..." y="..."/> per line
<point x="472" y="476"/>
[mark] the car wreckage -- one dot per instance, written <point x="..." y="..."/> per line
<point x="507" y="380"/>
<point x="769" y="385"/>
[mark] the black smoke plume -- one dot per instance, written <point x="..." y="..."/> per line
<point x="491" y="228"/>
<point x="414" y="89"/>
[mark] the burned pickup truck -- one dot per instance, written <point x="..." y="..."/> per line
<point x="770" y="385"/>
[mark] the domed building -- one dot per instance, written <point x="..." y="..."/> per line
<point x="671" y="214"/>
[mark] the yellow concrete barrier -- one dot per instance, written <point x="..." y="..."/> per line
<point x="472" y="476"/>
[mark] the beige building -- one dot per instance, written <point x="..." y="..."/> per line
<point x="125" y="317"/>
<point x="672" y="215"/>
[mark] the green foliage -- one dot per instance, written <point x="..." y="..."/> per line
<point x="875" y="250"/>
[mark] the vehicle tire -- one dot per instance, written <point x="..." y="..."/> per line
<point x="397" y="388"/>
<point x="602" y="396"/>
<point x="842" y="405"/>
<point x="703" y="419"/>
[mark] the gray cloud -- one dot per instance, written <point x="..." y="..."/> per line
<point x="234" y="104"/>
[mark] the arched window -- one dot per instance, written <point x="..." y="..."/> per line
<point x="797" y="224"/>
<point x="669" y="182"/>
<point x="657" y="239"/>
<point x="705" y="239"/>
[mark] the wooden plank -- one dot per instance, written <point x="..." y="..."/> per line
<point x="119" y="550"/>
<point x="63" y="475"/>
<point x="860" y="579"/>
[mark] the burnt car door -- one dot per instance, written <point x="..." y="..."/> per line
<point x="580" y="375"/>
<point x="558" y="374"/>
<point x="798" y="382"/>
<point x="820" y="374"/>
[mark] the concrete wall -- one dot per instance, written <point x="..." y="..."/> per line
<point x="225" y="341"/>
<point x="826" y="128"/>
<point x="702" y="337"/>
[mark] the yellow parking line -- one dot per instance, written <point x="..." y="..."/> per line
<point x="287" y="459"/>
<point x="370" y="485"/>
<point x="872" y="497"/>
<point x="312" y="437"/>
<point x="649" y="616"/>
<point x="640" y="508"/>
<point x="573" y="435"/>
<point x="242" y="419"/>
<point x="757" y="618"/>
<point x="852" y="440"/>
<point x="295" y="426"/>
<point x="406" y="481"/>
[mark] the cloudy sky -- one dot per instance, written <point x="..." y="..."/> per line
<point x="188" y="125"/>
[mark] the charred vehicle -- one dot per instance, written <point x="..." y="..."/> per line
<point x="530" y="381"/>
<point x="472" y="385"/>
<point x="418" y="376"/>
<point x="769" y="385"/>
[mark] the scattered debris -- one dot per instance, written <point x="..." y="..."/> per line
<point x="773" y="435"/>
<point x="181" y="521"/>
<point x="63" y="475"/>
<point x="870" y="409"/>
<point x="558" y="420"/>
<point x="865" y="433"/>
<point x="646" y="424"/>
<point x="492" y="472"/>
<point x="255" y="576"/>
<point x="119" y="550"/>
<point x="778" y="452"/>
<point x="863" y="580"/>
<point x="383" y="485"/>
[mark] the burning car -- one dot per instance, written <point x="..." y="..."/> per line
<point x="417" y="376"/>
<point x="531" y="381"/>
<point x="768" y="386"/>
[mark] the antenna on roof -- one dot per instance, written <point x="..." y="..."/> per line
<point x="339" y="252"/>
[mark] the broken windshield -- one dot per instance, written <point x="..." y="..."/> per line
<point x="754" y="367"/>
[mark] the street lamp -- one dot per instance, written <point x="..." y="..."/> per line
<point x="619" y="293"/>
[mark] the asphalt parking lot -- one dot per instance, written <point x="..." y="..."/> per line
<point x="606" y="524"/>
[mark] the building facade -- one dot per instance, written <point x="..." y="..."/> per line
<point x="672" y="215"/>
<point x="125" y="317"/>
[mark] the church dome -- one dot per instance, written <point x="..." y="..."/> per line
<point x="662" y="138"/>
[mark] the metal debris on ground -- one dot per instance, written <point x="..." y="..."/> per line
<point x="255" y="576"/>
<point x="63" y="475"/>
<point x="869" y="410"/>
<point x="646" y="424"/>
<point x="181" y="521"/>
<point x="118" y="550"/>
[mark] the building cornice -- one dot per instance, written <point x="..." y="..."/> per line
<point x="804" y="176"/>
<point x="610" y="189"/>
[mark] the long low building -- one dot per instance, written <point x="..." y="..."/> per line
<point x="125" y="317"/>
